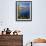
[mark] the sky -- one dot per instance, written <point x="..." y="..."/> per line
<point x="24" y="4"/>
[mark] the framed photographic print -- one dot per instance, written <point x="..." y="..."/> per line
<point x="23" y="10"/>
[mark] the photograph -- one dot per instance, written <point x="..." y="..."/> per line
<point x="23" y="10"/>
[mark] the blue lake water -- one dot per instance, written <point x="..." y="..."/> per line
<point x="25" y="12"/>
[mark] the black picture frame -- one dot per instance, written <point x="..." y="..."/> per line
<point x="21" y="18"/>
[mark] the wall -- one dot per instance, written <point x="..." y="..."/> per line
<point x="39" y="18"/>
<point x="31" y="30"/>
